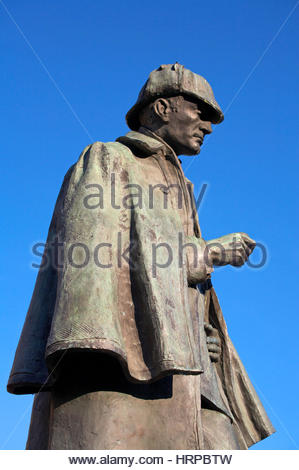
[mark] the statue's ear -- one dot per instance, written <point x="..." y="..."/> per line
<point x="162" y="109"/>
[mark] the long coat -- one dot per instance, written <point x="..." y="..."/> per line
<point x="113" y="279"/>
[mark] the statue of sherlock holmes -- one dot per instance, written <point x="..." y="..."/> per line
<point x="124" y="343"/>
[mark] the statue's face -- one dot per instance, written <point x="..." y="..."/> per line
<point x="186" y="127"/>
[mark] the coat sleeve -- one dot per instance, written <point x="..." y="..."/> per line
<point x="198" y="267"/>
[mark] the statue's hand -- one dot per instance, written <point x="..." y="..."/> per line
<point x="233" y="249"/>
<point x="213" y="342"/>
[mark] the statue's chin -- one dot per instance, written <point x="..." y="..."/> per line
<point x="190" y="152"/>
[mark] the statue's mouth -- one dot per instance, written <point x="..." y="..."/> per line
<point x="200" y="138"/>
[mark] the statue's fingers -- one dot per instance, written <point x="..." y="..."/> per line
<point x="214" y="348"/>
<point x="213" y="340"/>
<point x="214" y="357"/>
<point x="239" y="258"/>
<point x="208" y="328"/>
<point x="246" y="248"/>
<point x="249" y="241"/>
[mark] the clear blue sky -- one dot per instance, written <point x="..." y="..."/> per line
<point x="98" y="54"/>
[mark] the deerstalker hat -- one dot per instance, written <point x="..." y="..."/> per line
<point x="171" y="80"/>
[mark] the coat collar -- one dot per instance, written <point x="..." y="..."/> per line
<point x="142" y="142"/>
<point x="148" y="143"/>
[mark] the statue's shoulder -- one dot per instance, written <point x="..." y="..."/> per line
<point x="102" y="155"/>
<point x="96" y="162"/>
<point x="107" y="150"/>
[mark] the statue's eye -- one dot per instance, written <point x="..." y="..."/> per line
<point x="203" y="115"/>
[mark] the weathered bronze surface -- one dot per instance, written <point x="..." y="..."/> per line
<point x="124" y="343"/>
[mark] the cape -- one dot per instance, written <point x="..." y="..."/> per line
<point x="98" y="289"/>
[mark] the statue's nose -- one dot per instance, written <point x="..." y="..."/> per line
<point x="206" y="127"/>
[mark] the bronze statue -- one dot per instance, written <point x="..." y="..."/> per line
<point x="124" y="343"/>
